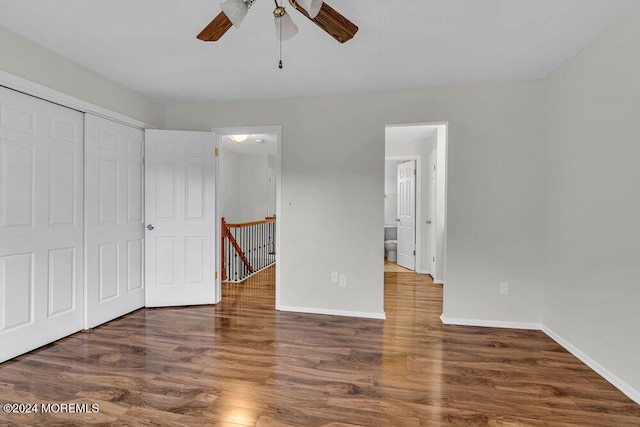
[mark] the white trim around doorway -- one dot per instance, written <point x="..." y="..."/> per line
<point x="249" y="130"/>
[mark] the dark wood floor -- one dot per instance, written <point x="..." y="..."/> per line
<point x="242" y="363"/>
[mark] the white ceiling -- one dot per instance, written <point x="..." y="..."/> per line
<point x="150" y="45"/>
<point x="256" y="144"/>
<point x="408" y="132"/>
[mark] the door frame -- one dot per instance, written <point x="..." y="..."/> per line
<point x="219" y="132"/>
<point x="418" y="207"/>
<point x="432" y="203"/>
<point x="442" y="162"/>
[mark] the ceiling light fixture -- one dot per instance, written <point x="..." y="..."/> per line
<point x="238" y="139"/>
<point x="285" y="28"/>
<point x="311" y="6"/>
<point x="324" y="16"/>
<point x="236" y="10"/>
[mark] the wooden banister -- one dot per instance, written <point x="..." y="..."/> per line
<point x="235" y="245"/>
<point x="249" y="224"/>
<point x="224" y="264"/>
<point x="262" y="245"/>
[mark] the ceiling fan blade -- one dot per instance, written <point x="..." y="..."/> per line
<point x="331" y="21"/>
<point x="216" y="28"/>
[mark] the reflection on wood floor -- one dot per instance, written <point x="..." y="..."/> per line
<point x="241" y="363"/>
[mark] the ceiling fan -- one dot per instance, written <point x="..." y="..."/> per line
<point x="324" y="16"/>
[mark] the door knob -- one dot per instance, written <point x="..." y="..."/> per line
<point x="429" y="222"/>
<point x="398" y="219"/>
<point x="150" y="227"/>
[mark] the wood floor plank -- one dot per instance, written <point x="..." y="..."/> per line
<point x="241" y="363"/>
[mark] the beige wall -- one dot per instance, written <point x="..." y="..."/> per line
<point x="332" y="201"/>
<point x="30" y="61"/>
<point x="592" y="220"/>
<point x="243" y="186"/>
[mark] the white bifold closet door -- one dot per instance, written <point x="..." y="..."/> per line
<point x="41" y="223"/>
<point x="114" y="216"/>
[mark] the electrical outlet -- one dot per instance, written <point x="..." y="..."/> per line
<point x="334" y="277"/>
<point x="343" y="280"/>
<point x="504" y="288"/>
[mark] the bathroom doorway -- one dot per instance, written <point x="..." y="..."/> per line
<point x="401" y="211"/>
<point x="426" y="145"/>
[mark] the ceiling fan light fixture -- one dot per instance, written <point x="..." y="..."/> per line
<point x="285" y="28"/>
<point x="311" y="6"/>
<point x="235" y="10"/>
<point x="238" y="139"/>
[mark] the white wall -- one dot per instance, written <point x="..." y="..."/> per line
<point x="25" y="59"/>
<point x="243" y="186"/>
<point x="391" y="192"/>
<point x="441" y="202"/>
<point x="592" y="218"/>
<point x="333" y="173"/>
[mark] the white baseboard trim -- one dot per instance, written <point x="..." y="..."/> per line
<point x="311" y="310"/>
<point x="618" y="383"/>
<point x="491" y="323"/>
<point x="438" y="282"/>
<point x="609" y="376"/>
<point x="422" y="272"/>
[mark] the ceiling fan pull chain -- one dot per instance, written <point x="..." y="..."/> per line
<point x="280" y="41"/>
<point x="280" y="63"/>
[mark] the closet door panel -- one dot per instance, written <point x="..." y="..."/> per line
<point x="41" y="227"/>
<point x="114" y="219"/>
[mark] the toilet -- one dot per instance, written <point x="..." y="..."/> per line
<point x="391" y="243"/>
<point x="390" y="248"/>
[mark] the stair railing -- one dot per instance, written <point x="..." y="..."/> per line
<point x="247" y="248"/>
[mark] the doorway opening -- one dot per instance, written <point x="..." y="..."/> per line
<point x="421" y="231"/>
<point x="248" y="203"/>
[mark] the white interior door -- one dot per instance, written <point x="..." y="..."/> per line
<point x="431" y="215"/>
<point x="114" y="220"/>
<point x="180" y="252"/>
<point x="41" y="223"/>
<point x="407" y="214"/>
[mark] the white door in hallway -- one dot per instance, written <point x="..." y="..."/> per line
<point x="180" y="252"/>
<point x="41" y="223"/>
<point x="114" y="219"/>
<point x="407" y="214"/>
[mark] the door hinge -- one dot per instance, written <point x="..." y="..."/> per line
<point x="434" y="259"/>
<point x="217" y="152"/>
<point x="216" y="275"/>
<point x="414" y="252"/>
